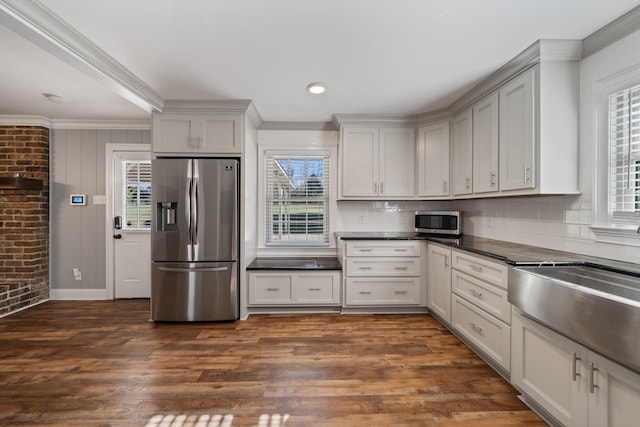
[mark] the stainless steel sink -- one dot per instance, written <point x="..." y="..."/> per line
<point x="600" y="309"/>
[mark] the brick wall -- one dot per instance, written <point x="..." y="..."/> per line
<point x="24" y="219"/>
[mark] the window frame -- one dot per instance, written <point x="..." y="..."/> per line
<point x="125" y="192"/>
<point x="604" y="229"/>
<point x="296" y="142"/>
<point x="325" y="199"/>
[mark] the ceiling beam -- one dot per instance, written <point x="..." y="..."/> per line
<point x="33" y="21"/>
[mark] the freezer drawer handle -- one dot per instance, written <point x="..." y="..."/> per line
<point x="193" y="270"/>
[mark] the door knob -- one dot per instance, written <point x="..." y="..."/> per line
<point x="117" y="236"/>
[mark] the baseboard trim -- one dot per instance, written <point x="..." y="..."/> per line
<point x="78" y="294"/>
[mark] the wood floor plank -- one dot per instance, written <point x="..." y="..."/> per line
<point x="102" y="363"/>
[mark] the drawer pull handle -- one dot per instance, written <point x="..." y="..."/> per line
<point x="365" y="250"/>
<point x="400" y="250"/>
<point x="574" y="371"/>
<point x="476" y="268"/>
<point x="475" y="293"/>
<point x="592" y="378"/>
<point x="475" y="327"/>
<point x="365" y="268"/>
<point x="365" y="292"/>
<point x="273" y="289"/>
<point x="401" y="268"/>
<point x="401" y="292"/>
<point x="313" y="289"/>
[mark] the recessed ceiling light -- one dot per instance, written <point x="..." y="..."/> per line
<point x="54" y="98"/>
<point x="317" y="88"/>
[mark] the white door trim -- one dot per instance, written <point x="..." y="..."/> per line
<point x="109" y="214"/>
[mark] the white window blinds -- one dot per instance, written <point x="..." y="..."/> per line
<point x="136" y="180"/>
<point x="297" y="199"/>
<point x="624" y="156"/>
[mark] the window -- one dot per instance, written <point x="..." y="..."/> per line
<point x="624" y="156"/>
<point x="136" y="180"/>
<point x="297" y="199"/>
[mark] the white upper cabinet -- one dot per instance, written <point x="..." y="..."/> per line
<point x="517" y="137"/>
<point x="539" y="130"/>
<point x="208" y="133"/>
<point x="433" y="161"/>
<point x="397" y="162"/>
<point x="485" y="145"/>
<point x="462" y="150"/>
<point x="377" y="163"/>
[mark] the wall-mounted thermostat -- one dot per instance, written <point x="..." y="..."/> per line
<point x="78" y="199"/>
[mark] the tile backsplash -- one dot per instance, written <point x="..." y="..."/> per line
<point x="554" y="222"/>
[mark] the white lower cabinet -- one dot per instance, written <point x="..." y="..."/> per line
<point x="488" y="334"/>
<point x="480" y="310"/>
<point x="381" y="273"/>
<point x="283" y="288"/>
<point x="439" y="281"/>
<point x="576" y="386"/>
<point x="382" y="291"/>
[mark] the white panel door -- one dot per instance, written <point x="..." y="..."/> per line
<point x="360" y="162"/>
<point x="433" y="160"/>
<point x="462" y="151"/>
<point x="397" y="162"/>
<point x="132" y="224"/>
<point x="614" y="396"/>
<point x="439" y="282"/>
<point x="551" y="369"/>
<point x="485" y="145"/>
<point x="517" y="133"/>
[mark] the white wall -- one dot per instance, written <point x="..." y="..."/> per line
<point x="78" y="233"/>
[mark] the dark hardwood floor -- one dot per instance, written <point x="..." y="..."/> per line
<point x="101" y="363"/>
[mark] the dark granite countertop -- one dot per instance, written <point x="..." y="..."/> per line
<point x="511" y="253"/>
<point x="310" y="263"/>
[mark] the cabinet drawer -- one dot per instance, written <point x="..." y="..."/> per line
<point x="379" y="291"/>
<point x="383" y="248"/>
<point x="490" y="335"/>
<point x="492" y="272"/>
<point x="270" y="288"/>
<point x="317" y="288"/>
<point x="383" y="267"/>
<point x="486" y="296"/>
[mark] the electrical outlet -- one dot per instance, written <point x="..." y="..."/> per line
<point x="77" y="274"/>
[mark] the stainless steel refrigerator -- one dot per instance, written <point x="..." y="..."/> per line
<point x="194" y="249"/>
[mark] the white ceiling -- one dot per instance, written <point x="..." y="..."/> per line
<point x="376" y="56"/>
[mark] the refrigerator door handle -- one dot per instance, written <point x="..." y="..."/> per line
<point x="187" y="208"/>
<point x="194" y="201"/>
<point x="192" y="270"/>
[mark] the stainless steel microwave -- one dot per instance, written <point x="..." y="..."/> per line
<point x="439" y="222"/>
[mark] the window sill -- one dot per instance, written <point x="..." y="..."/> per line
<point x="618" y="235"/>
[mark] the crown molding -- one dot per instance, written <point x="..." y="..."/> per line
<point x="195" y="105"/>
<point x="188" y="106"/>
<point x="612" y="32"/>
<point x="25" y="121"/>
<point x="298" y="126"/>
<point x="541" y="51"/>
<point x="102" y="124"/>
<point x="434" y="116"/>
<point x="373" y="119"/>
<point x="75" y="124"/>
<point x="35" y="22"/>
